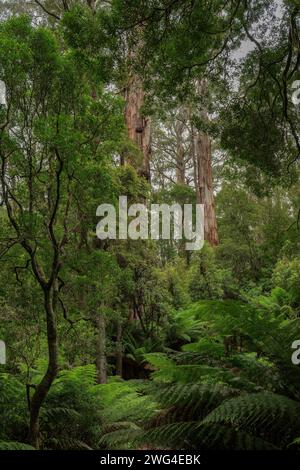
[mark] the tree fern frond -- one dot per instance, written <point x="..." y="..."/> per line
<point x="121" y="435"/>
<point x="222" y="437"/>
<point x="199" y="398"/>
<point x="273" y="417"/>
<point x="174" y="435"/>
<point x="59" y="412"/>
<point x="67" y="443"/>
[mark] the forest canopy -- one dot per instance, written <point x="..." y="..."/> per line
<point x="120" y="343"/>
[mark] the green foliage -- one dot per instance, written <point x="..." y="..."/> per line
<point x="207" y="280"/>
<point x="286" y="276"/>
<point x="233" y="401"/>
<point x="71" y="418"/>
<point x="182" y="328"/>
<point x="273" y="418"/>
<point x="14" y="446"/>
<point x="126" y="406"/>
<point x="13" y="409"/>
<point x="205" y="337"/>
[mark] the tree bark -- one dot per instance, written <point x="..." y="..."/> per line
<point x="180" y="153"/>
<point x="202" y="159"/>
<point x="119" y="350"/>
<point x="138" y="126"/>
<point x="101" y="350"/>
<point x="204" y="185"/>
<point x="43" y="388"/>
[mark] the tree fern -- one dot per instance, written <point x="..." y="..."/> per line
<point x="13" y="408"/>
<point x="274" y="418"/>
<point x="12" y="445"/>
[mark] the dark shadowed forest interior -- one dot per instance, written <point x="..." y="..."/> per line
<point x="142" y="343"/>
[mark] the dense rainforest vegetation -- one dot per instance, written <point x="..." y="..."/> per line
<point x="142" y="344"/>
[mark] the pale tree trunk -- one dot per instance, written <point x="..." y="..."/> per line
<point x="195" y="162"/>
<point x="138" y="126"/>
<point x="180" y="168"/>
<point x="202" y="160"/>
<point x="205" y="190"/>
<point x="119" y="350"/>
<point x="180" y="153"/>
<point x="101" y="350"/>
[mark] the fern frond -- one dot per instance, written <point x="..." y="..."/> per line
<point x="222" y="437"/>
<point x="198" y="398"/>
<point x="12" y="445"/>
<point x="273" y="417"/>
<point x="121" y="435"/>
<point x="67" y="443"/>
<point x="174" y="435"/>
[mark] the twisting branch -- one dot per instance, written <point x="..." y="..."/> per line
<point x="23" y="242"/>
<point x="16" y="270"/>
<point x="45" y="10"/>
<point x="65" y="315"/>
<point x="8" y="247"/>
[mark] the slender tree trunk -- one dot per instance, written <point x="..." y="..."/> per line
<point x="202" y="161"/>
<point x="101" y="350"/>
<point x="138" y="126"/>
<point x="180" y="153"/>
<point x="204" y="185"/>
<point x="119" y="350"/>
<point x="195" y="162"/>
<point x="43" y="388"/>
